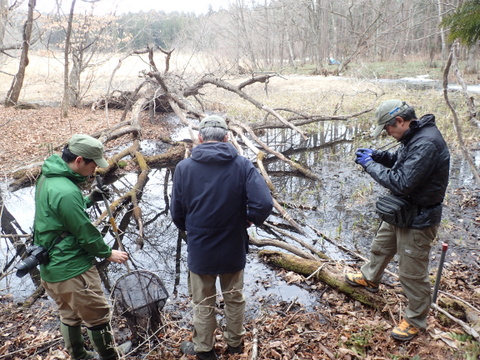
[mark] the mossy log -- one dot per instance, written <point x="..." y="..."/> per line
<point x="26" y="178"/>
<point x="324" y="271"/>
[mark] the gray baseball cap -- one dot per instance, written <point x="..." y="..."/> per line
<point x="387" y="111"/>
<point x="213" y="121"/>
<point x="88" y="148"/>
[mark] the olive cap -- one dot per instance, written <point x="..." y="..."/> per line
<point x="88" y="148"/>
<point x="213" y="121"/>
<point x="387" y="111"/>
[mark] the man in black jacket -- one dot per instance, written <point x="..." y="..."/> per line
<point x="418" y="171"/>
<point x="216" y="196"/>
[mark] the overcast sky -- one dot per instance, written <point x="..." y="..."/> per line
<point x="124" y="6"/>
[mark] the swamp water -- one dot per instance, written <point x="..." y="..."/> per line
<point x="339" y="206"/>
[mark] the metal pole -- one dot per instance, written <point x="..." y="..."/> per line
<point x="439" y="273"/>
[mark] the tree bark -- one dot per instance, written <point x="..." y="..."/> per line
<point x="471" y="67"/>
<point x="3" y="20"/>
<point x="442" y="31"/>
<point x="66" y="82"/>
<point x="13" y="93"/>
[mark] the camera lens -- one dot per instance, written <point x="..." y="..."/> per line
<point x="27" y="264"/>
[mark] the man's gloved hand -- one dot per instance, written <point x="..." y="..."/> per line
<point x="98" y="192"/>
<point x="364" y="156"/>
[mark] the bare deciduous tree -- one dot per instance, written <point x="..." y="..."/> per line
<point x="3" y="20"/>
<point x="13" y="93"/>
<point x="66" y="82"/>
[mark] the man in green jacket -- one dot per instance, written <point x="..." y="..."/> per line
<point x="62" y="226"/>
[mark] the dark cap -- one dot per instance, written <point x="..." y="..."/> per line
<point x="88" y="148"/>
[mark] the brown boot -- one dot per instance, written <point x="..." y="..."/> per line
<point x="404" y="331"/>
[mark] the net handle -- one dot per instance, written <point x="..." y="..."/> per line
<point x="112" y="219"/>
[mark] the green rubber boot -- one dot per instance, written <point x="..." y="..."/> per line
<point x="102" y="340"/>
<point x="74" y="342"/>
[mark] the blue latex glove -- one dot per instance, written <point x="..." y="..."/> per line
<point x="364" y="156"/>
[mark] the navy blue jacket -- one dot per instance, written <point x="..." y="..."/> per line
<point x="418" y="170"/>
<point x="215" y="194"/>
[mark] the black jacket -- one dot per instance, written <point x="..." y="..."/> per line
<point x="215" y="192"/>
<point x="418" y="170"/>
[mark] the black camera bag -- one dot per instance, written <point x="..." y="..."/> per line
<point x="395" y="210"/>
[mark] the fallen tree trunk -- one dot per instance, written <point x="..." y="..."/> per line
<point x="325" y="271"/>
<point x="26" y="178"/>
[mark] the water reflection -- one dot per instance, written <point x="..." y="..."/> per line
<point x="339" y="206"/>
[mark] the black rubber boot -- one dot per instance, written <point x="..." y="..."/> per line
<point x="102" y="340"/>
<point x="72" y="335"/>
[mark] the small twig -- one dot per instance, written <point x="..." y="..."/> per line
<point x="387" y="146"/>
<point x="6" y="123"/>
<point x="25" y="349"/>
<point x="316" y="271"/>
<point x="14" y="236"/>
<point x="326" y="351"/>
<point x="292" y="317"/>
<point x="291" y="304"/>
<point x="465" y="327"/>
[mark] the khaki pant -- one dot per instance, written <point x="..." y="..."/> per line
<point x="413" y="249"/>
<point x="203" y="291"/>
<point x="80" y="299"/>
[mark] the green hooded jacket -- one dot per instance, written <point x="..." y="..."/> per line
<point x="60" y="207"/>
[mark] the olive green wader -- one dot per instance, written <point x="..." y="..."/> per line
<point x="74" y="343"/>
<point x="104" y="343"/>
<point x="81" y="300"/>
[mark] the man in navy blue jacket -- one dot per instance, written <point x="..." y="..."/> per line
<point x="216" y="196"/>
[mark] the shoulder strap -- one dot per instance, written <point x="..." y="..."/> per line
<point x="59" y="238"/>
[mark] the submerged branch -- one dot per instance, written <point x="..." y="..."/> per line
<point x="279" y="155"/>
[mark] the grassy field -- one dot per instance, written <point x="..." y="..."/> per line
<point x="357" y="90"/>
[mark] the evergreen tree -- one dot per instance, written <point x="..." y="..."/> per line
<point x="464" y="23"/>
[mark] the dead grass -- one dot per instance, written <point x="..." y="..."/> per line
<point x="32" y="132"/>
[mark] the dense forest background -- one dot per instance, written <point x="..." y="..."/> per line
<point x="251" y="35"/>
